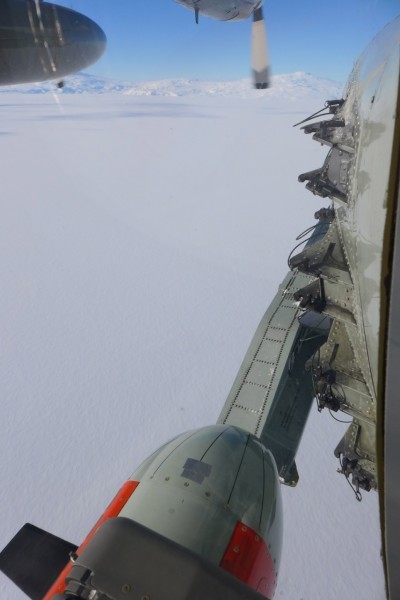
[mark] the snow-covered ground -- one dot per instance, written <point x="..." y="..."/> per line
<point x="289" y="86"/>
<point x="142" y="238"/>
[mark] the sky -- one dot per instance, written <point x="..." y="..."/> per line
<point x="157" y="39"/>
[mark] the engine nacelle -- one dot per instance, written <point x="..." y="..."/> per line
<point x="208" y="501"/>
<point x="40" y="41"/>
<point x="216" y="492"/>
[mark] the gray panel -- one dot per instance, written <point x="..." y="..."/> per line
<point x="251" y="397"/>
<point x="272" y="345"/>
<point x="128" y="561"/>
<point x="269" y="350"/>
<point x="283" y="318"/>
<point x="276" y="334"/>
<point x="272" y="393"/>
<point x="240" y="417"/>
<point x="260" y="374"/>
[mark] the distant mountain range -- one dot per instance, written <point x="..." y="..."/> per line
<point x="288" y="85"/>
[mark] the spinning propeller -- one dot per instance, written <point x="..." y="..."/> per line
<point x="260" y="61"/>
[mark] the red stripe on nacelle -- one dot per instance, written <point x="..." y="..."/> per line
<point x="111" y="511"/>
<point x="247" y="558"/>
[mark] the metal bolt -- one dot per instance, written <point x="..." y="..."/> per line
<point x="236" y="549"/>
<point x="257" y="538"/>
<point x="126" y="588"/>
<point x="244" y="528"/>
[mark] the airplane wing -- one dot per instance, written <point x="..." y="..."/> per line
<point x="388" y="422"/>
<point x="272" y="394"/>
<point x="332" y="332"/>
<point x="348" y="274"/>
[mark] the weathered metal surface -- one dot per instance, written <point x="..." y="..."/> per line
<point x="272" y="393"/>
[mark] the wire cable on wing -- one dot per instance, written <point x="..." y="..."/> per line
<point x="356" y="491"/>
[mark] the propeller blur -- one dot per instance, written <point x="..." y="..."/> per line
<point x="226" y="10"/>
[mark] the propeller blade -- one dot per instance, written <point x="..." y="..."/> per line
<point x="260" y="61"/>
